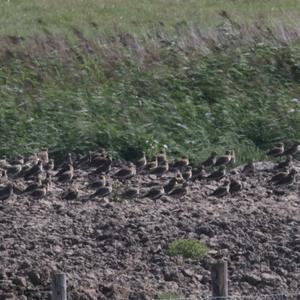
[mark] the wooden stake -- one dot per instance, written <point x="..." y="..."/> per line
<point x="219" y="278"/>
<point x="59" y="287"/>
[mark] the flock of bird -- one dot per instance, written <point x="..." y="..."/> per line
<point x="34" y="176"/>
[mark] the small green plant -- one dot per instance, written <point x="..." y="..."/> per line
<point x="169" y="296"/>
<point x="188" y="248"/>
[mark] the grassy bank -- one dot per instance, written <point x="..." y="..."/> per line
<point x="30" y="17"/>
<point x="235" y="85"/>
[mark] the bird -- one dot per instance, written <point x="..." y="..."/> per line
<point x="169" y="186"/>
<point x="65" y="166"/>
<point x="224" y="160"/>
<point x="43" y="156"/>
<point x="33" y="186"/>
<point x="141" y="162"/>
<point x="34" y="170"/>
<point x="47" y="180"/>
<point x="279" y="176"/>
<point x="48" y="167"/>
<point x="235" y="186"/>
<point x="70" y="194"/>
<point x="39" y="192"/>
<point x="14" y="170"/>
<point x="278" y="150"/>
<point x="160" y="169"/>
<point x="179" y="191"/>
<point x="233" y="157"/>
<point x="3" y="178"/>
<point x="222" y="190"/>
<point x="4" y="164"/>
<point x="249" y="168"/>
<point x="161" y="157"/>
<point x="67" y="175"/>
<point x="104" y="168"/>
<point x="103" y="191"/>
<point x="19" y="160"/>
<point x="179" y="177"/>
<point x="100" y="153"/>
<point x="210" y="161"/>
<point x="187" y="174"/>
<point x="126" y="172"/>
<point x="288" y="179"/>
<point x="217" y="175"/>
<point x="181" y="163"/>
<point x="293" y="150"/>
<point x="99" y="182"/>
<point x="154" y="193"/>
<point x="151" y="164"/>
<point x="101" y="159"/>
<point x="6" y="191"/>
<point x="130" y="193"/>
<point x="198" y="173"/>
<point x="285" y="164"/>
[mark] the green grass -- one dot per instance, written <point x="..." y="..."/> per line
<point x="239" y="99"/>
<point x="28" y="17"/>
<point x="188" y="248"/>
<point x="170" y="86"/>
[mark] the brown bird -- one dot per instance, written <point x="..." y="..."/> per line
<point x="160" y="169"/>
<point x="126" y="172"/>
<point x="278" y="150"/>
<point x="198" y="173"/>
<point x="19" y="160"/>
<point x="170" y="185"/>
<point x="3" y="178"/>
<point x="103" y="191"/>
<point x="233" y="157"/>
<point x="179" y="177"/>
<point x="43" y="156"/>
<point x="224" y="159"/>
<point x="179" y="191"/>
<point x="249" y="168"/>
<point x="285" y="164"/>
<point x="70" y="194"/>
<point x="6" y="192"/>
<point x="151" y="164"/>
<point x="99" y="182"/>
<point x="39" y="192"/>
<point x="34" y="170"/>
<point x="33" y="186"/>
<point x="235" y="186"/>
<point x="161" y="157"/>
<point x="154" y="193"/>
<point x="101" y="160"/>
<point x="130" y="193"/>
<point x="181" y="163"/>
<point x="67" y="175"/>
<point x="293" y="150"/>
<point x="47" y="180"/>
<point x="288" y="179"/>
<point x="187" y="174"/>
<point x="210" y="162"/>
<point x="65" y="166"/>
<point x="141" y="162"/>
<point x="4" y="164"/>
<point x="217" y="175"/>
<point x="14" y="170"/>
<point x="279" y="176"/>
<point x="222" y="190"/>
<point x="50" y="165"/>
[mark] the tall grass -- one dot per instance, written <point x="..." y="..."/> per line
<point x="137" y="96"/>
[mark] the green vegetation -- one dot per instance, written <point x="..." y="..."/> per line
<point x="27" y="17"/>
<point x="228" y="85"/>
<point x="170" y="296"/>
<point x="188" y="249"/>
